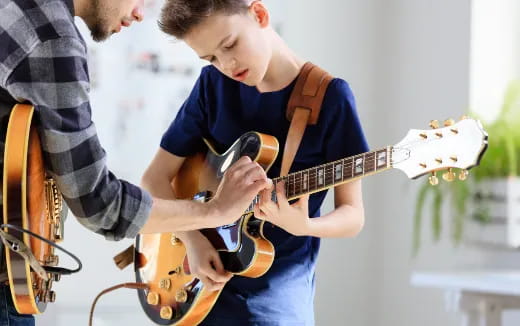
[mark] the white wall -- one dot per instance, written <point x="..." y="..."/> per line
<point x="339" y="35"/>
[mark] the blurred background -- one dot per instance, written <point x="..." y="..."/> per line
<point x="408" y="62"/>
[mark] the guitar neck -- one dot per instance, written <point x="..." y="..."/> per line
<point x="332" y="174"/>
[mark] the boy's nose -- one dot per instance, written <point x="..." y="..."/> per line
<point x="138" y="12"/>
<point x="231" y="65"/>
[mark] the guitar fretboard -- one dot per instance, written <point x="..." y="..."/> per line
<point x="332" y="174"/>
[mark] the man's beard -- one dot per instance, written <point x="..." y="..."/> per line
<point x="98" y="27"/>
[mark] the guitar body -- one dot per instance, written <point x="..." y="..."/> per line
<point x="175" y="297"/>
<point x="26" y="196"/>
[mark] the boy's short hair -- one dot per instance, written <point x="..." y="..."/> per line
<point x="178" y="17"/>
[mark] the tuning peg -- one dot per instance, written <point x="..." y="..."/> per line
<point x="449" y="122"/>
<point x="433" y="179"/>
<point x="463" y="175"/>
<point x="434" y="124"/>
<point x="449" y="176"/>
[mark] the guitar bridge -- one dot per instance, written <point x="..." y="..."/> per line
<point x="54" y="206"/>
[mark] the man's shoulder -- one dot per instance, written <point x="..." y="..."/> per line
<point x="29" y="23"/>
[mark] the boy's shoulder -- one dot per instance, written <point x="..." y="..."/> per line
<point x="338" y="91"/>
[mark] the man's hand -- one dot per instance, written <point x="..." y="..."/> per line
<point x="205" y="263"/>
<point x="239" y="186"/>
<point x="292" y="218"/>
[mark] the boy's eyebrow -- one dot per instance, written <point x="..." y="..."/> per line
<point x="220" y="43"/>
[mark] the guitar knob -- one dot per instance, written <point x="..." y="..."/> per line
<point x="434" y="124"/>
<point x="433" y="179"/>
<point x="463" y="175"/>
<point x="48" y="296"/>
<point x="52" y="260"/>
<point x="181" y="296"/>
<point x="174" y="240"/>
<point x="52" y="296"/>
<point x="449" y="176"/>
<point x="56" y="277"/>
<point x="166" y="312"/>
<point x="449" y="122"/>
<point x="152" y="298"/>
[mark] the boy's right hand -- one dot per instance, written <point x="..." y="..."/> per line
<point x="242" y="181"/>
<point x="204" y="262"/>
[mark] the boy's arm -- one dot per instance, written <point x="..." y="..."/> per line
<point x="346" y="220"/>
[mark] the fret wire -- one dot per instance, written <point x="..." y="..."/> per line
<point x="314" y="172"/>
<point x="352" y="157"/>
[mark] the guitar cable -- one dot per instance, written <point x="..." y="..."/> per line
<point x="15" y="245"/>
<point x="135" y="286"/>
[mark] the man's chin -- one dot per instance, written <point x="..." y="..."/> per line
<point x="99" y="35"/>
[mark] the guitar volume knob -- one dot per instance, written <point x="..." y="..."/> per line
<point x="181" y="296"/>
<point x="166" y="312"/>
<point x="152" y="298"/>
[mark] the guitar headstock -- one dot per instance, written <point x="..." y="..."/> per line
<point x="458" y="145"/>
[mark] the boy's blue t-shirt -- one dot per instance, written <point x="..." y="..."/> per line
<point x="221" y="110"/>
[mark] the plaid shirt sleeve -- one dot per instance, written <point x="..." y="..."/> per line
<point x="54" y="77"/>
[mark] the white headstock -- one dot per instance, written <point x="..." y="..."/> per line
<point x="458" y="145"/>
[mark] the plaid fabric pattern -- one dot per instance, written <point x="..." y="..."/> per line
<point x="43" y="61"/>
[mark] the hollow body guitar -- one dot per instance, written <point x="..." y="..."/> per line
<point x="175" y="297"/>
<point x="31" y="201"/>
<point x="241" y="245"/>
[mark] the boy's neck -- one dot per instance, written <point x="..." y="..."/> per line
<point x="283" y="68"/>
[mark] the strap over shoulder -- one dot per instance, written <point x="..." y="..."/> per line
<point x="309" y="91"/>
<point x="303" y="108"/>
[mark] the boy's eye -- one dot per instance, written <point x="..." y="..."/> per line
<point x="232" y="45"/>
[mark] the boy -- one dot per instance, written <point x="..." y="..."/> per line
<point x="43" y="60"/>
<point x="247" y="87"/>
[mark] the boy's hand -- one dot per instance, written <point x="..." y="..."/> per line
<point x="239" y="186"/>
<point x="292" y="218"/>
<point x="205" y="263"/>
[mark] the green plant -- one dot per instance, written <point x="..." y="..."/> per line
<point x="502" y="159"/>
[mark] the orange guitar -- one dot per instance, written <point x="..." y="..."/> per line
<point x="175" y="297"/>
<point x="32" y="223"/>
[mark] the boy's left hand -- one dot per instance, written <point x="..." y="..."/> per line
<point x="292" y="218"/>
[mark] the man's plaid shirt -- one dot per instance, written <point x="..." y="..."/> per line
<point x="43" y="61"/>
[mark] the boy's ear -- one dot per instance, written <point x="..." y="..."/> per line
<point x="260" y="13"/>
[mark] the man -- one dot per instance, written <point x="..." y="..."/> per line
<point x="43" y="62"/>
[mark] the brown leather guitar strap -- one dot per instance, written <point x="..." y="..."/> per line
<point x="303" y="108"/>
